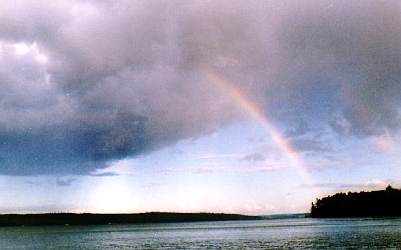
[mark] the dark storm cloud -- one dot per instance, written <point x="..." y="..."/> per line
<point x="352" y="48"/>
<point x="104" y="80"/>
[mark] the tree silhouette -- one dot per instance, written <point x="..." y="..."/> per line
<point x="375" y="203"/>
<point x="96" y="219"/>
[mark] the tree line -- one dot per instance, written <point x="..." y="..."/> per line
<point x="359" y="204"/>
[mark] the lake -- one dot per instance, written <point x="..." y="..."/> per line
<point x="265" y="234"/>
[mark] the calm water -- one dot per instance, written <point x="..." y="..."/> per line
<point x="265" y="234"/>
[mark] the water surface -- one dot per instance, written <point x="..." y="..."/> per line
<point x="278" y="233"/>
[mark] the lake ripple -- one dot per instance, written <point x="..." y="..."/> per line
<point x="262" y="234"/>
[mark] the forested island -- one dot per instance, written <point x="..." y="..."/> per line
<point x="359" y="204"/>
<point x="98" y="219"/>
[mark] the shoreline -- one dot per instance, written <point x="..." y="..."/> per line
<point x="44" y="219"/>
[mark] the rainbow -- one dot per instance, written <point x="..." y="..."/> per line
<point x="252" y="109"/>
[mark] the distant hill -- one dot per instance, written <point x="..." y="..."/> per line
<point x="97" y="219"/>
<point x="363" y="204"/>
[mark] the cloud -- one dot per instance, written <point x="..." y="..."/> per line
<point x="254" y="157"/>
<point x="385" y="144"/>
<point x="115" y="168"/>
<point x="214" y="156"/>
<point x="301" y="129"/>
<point x="328" y="161"/>
<point x="89" y="82"/>
<point x="340" y="124"/>
<point x="269" y="168"/>
<point x="64" y="181"/>
<point x="310" y="145"/>
<point x="365" y="184"/>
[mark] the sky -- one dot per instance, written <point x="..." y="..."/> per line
<point x="254" y="107"/>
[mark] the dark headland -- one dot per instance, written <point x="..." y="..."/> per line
<point x="380" y="203"/>
<point x="99" y="219"/>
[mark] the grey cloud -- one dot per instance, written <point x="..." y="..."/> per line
<point x="108" y="174"/>
<point x="254" y="157"/>
<point x="338" y="45"/>
<point x="126" y="77"/>
<point x="65" y="182"/>
<point x="340" y="124"/>
<point x="305" y="144"/>
<point x="301" y="129"/>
